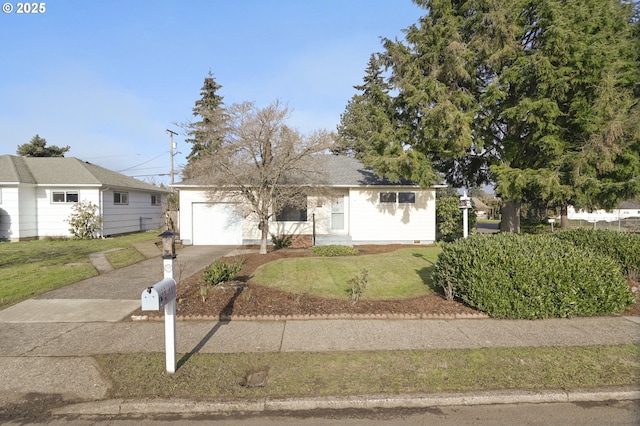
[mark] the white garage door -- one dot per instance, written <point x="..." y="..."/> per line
<point x="216" y="224"/>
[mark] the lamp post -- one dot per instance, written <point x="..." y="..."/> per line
<point x="169" y="261"/>
<point x="465" y="205"/>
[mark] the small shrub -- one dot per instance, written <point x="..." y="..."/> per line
<point x="531" y="276"/>
<point x="357" y="285"/>
<point x="220" y="271"/>
<point x="84" y="220"/>
<point x="281" y="241"/>
<point x="334" y="250"/>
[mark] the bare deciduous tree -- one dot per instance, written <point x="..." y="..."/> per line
<point x="262" y="163"/>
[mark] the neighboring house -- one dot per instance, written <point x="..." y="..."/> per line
<point x="625" y="210"/>
<point x="482" y="210"/>
<point x="363" y="209"/>
<point x="37" y="193"/>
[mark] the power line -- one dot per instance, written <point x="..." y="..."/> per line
<point x="145" y="162"/>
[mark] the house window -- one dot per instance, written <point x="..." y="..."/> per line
<point x="0" y="195"/>
<point x="64" y="196"/>
<point x="407" y="197"/>
<point x="120" y="198"/>
<point x="155" y="199"/>
<point x="387" y="197"/>
<point x="293" y="212"/>
<point x="400" y="197"/>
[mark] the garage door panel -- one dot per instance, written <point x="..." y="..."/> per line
<point x="217" y="224"/>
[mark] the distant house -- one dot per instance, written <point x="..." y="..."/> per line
<point x="626" y="210"/>
<point x="37" y="193"/>
<point x="363" y="209"/>
<point x="482" y="210"/>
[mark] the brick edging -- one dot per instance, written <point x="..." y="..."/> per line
<point x="316" y="317"/>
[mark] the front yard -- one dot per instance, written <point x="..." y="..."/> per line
<point x="397" y="274"/>
<point x="30" y="268"/>
<point x="398" y="284"/>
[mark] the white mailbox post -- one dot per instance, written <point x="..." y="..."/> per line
<point x="465" y="205"/>
<point x="163" y="293"/>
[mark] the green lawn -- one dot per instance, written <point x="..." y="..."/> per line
<point x="33" y="267"/>
<point x="398" y="274"/>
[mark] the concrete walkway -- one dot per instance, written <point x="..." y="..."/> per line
<point x="47" y="342"/>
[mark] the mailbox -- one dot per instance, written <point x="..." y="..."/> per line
<point x="158" y="295"/>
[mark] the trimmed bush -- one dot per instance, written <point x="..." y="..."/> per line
<point x="334" y="250"/>
<point x="220" y="272"/>
<point x="281" y="241"/>
<point x="531" y="276"/>
<point x="623" y="247"/>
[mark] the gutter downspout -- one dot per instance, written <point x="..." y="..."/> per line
<point x="101" y="208"/>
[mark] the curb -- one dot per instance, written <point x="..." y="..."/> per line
<point x="311" y="317"/>
<point x="181" y="407"/>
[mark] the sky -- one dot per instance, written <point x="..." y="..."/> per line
<point x="109" y="77"/>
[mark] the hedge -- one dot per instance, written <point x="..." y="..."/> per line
<point x="623" y="247"/>
<point x="531" y="276"/>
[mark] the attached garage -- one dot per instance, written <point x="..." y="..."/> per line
<point x="216" y="224"/>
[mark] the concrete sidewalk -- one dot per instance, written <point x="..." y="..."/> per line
<point x="47" y="343"/>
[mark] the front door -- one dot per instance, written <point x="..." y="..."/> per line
<point x="337" y="214"/>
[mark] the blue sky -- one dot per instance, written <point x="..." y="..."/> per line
<point x="109" y="77"/>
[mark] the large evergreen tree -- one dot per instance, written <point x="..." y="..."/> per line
<point x="536" y="96"/>
<point x="37" y="147"/>
<point x="208" y="133"/>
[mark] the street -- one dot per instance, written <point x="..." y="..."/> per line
<point x="566" y="414"/>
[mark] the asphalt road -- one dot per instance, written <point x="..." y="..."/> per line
<point x="574" y="414"/>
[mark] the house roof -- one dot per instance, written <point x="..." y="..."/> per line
<point x="347" y="171"/>
<point x="478" y="204"/>
<point x="64" y="171"/>
<point x="337" y="171"/>
<point x="630" y="204"/>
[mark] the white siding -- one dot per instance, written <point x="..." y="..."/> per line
<point x="9" y="213"/>
<point x="372" y="221"/>
<point x="137" y="215"/>
<point x="53" y="217"/>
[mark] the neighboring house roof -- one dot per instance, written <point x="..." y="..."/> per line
<point x="336" y="171"/>
<point x="478" y="204"/>
<point x="630" y="204"/>
<point x="65" y="171"/>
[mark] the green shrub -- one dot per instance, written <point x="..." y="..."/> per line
<point x="623" y="247"/>
<point x="219" y="271"/>
<point x="281" y="241"/>
<point x="85" y="221"/>
<point x="334" y="250"/>
<point x="531" y="276"/>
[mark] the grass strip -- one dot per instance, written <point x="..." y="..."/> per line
<point x="301" y="374"/>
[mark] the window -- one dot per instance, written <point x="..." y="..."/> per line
<point x="64" y="196"/>
<point x="120" y="198"/>
<point x="156" y="199"/>
<point x="0" y="195"/>
<point x="400" y="197"/>
<point x="293" y="213"/>
<point x="407" y="197"/>
<point x="387" y="197"/>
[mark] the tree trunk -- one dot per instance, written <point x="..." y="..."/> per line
<point x="510" y="217"/>
<point x="564" y="217"/>
<point x="264" y="227"/>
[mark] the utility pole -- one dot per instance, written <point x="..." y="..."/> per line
<point x="172" y="147"/>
